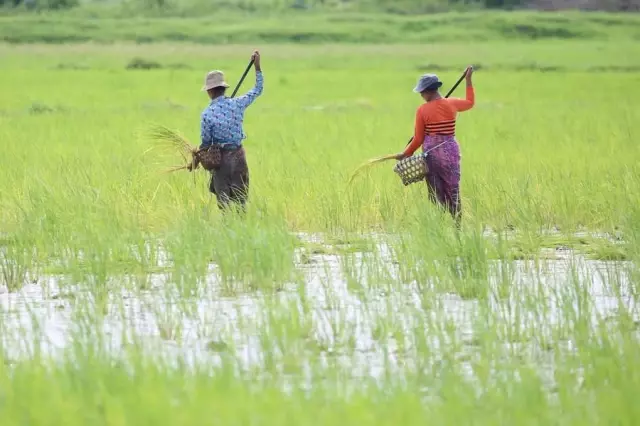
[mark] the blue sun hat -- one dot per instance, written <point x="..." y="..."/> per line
<point x="427" y="81"/>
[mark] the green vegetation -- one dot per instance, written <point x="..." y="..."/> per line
<point x="400" y="7"/>
<point x="107" y="26"/>
<point x="130" y="299"/>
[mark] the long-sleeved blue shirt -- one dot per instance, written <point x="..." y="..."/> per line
<point x="221" y="121"/>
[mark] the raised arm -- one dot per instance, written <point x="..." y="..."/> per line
<point x="469" y="102"/>
<point x="248" y="98"/>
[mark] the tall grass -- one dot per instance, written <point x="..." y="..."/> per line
<point x="129" y="298"/>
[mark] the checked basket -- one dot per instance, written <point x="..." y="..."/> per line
<point x="412" y="169"/>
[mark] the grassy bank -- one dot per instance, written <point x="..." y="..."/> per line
<point x="309" y="27"/>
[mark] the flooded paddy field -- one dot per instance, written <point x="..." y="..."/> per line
<point x="353" y="307"/>
<point x="127" y="298"/>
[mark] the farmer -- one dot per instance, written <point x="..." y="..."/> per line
<point x="435" y="129"/>
<point x="221" y="124"/>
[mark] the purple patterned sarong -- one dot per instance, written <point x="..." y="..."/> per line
<point x="443" y="177"/>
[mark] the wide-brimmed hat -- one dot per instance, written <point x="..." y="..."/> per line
<point x="214" y="79"/>
<point x="427" y="81"/>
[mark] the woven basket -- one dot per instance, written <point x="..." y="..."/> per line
<point x="210" y="157"/>
<point x="412" y="169"/>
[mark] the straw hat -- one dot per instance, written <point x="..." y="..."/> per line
<point x="214" y="79"/>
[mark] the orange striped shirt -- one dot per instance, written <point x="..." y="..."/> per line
<point x="438" y="118"/>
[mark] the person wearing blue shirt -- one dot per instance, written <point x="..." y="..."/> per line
<point x="222" y="125"/>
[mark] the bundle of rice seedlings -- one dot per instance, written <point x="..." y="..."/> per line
<point x="173" y="140"/>
<point x="368" y="164"/>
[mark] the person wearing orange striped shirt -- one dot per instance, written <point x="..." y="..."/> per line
<point x="435" y="130"/>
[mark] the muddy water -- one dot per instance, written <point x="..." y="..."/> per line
<point x="370" y="330"/>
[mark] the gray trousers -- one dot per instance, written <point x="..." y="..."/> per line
<point x="230" y="182"/>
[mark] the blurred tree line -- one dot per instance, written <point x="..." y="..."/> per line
<point x="388" y="6"/>
<point x="40" y="4"/>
